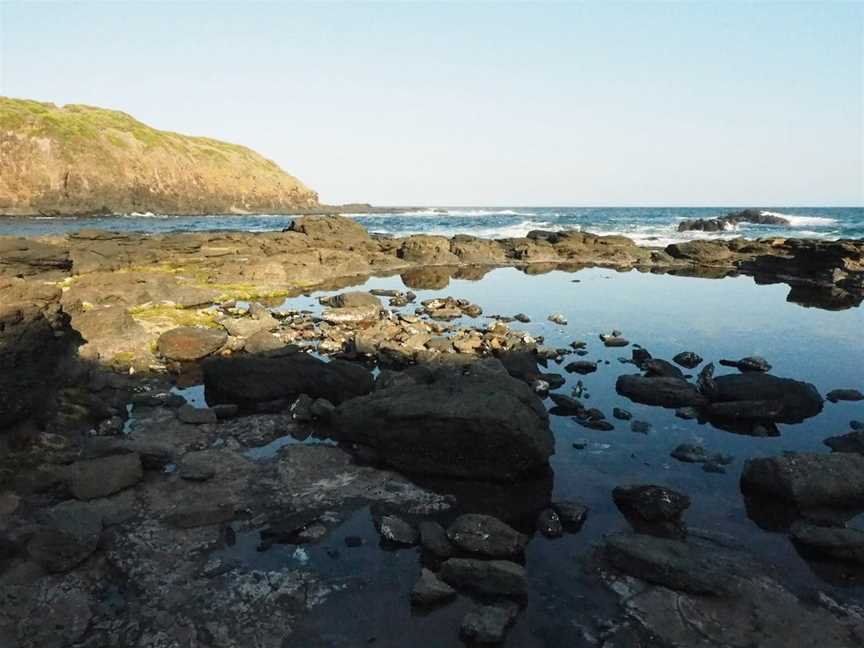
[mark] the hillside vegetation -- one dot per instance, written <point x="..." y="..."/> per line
<point x="80" y="159"/>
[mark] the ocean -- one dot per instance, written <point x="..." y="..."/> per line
<point x="655" y="226"/>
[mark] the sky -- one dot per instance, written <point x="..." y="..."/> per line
<point x="532" y="104"/>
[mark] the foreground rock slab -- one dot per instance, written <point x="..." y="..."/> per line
<point x="704" y="596"/>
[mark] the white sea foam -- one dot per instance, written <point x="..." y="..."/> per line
<point x="803" y="221"/>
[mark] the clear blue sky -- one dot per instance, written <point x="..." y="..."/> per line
<point x="481" y="104"/>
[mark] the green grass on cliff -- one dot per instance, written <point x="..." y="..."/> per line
<point x="76" y="126"/>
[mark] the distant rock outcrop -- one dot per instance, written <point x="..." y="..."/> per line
<point x="84" y="160"/>
<point x="754" y="216"/>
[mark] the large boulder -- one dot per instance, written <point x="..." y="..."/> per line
<point x="472" y="422"/>
<point x="190" y="343"/>
<point x="31" y="346"/>
<point x="423" y="249"/>
<point x="338" y="230"/>
<point x="807" y="479"/>
<point x="247" y="380"/>
<point x="756" y="395"/>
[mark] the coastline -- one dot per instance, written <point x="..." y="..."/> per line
<point x="185" y="390"/>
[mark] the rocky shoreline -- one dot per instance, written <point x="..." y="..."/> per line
<point x="123" y="495"/>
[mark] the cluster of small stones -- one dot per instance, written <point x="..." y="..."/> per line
<point x="386" y="335"/>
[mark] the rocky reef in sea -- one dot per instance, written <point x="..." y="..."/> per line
<point x="79" y="159"/>
<point x="168" y="427"/>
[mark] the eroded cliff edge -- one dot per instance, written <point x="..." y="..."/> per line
<point x="80" y="160"/>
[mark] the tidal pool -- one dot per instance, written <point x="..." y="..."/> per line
<point x="722" y="318"/>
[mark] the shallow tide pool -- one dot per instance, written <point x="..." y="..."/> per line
<point x="724" y="318"/>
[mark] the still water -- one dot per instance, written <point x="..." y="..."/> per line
<point x="724" y="318"/>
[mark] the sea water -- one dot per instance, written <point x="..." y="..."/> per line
<point x="656" y="226"/>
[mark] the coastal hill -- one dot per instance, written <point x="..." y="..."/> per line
<point x="79" y="159"/>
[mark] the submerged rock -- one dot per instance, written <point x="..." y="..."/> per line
<point x="640" y="427"/>
<point x="475" y="422"/>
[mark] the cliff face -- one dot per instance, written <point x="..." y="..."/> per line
<point x="83" y="160"/>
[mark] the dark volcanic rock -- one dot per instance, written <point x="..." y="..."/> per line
<point x="70" y="535"/>
<point x="566" y="405"/>
<point x="486" y="535"/>
<point x="675" y="564"/>
<point x="572" y="514"/>
<point x="655" y="367"/>
<point x="189" y="343"/>
<point x="750" y="363"/>
<point x="666" y="392"/>
<point x="851" y="442"/>
<point x="807" y="479"/>
<point x="105" y="476"/>
<point x="31" y="345"/>
<point x="621" y="414"/>
<point x="688" y="359"/>
<point x="653" y="509"/>
<point x="837" y="395"/>
<point x="488" y="624"/>
<point x="549" y="524"/>
<point x="581" y="367"/>
<point x="473" y="422"/>
<point x="397" y="531"/>
<point x="835" y="542"/>
<point x="247" y="380"/>
<point x="490" y="577"/>
<point x="430" y="590"/>
<point x="762" y="396"/>
<point x="722" y="223"/>
<point x="433" y="539"/>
